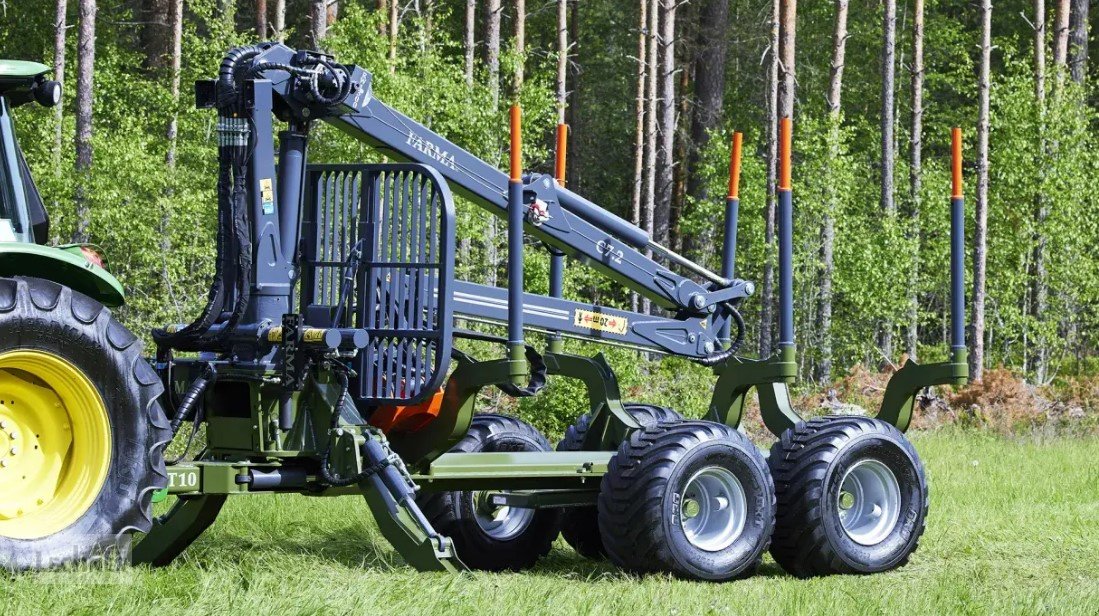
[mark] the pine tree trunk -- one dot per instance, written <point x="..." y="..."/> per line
<point x="60" y="27"/>
<point x="980" y="232"/>
<point x="639" y="122"/>
<point x="1078" y="40"/>
<point x="647" y="211"/>
<point x="261" y="19"/>
<point x="787" y="47"/>
<point x="154" y="36"/>
<point x="394" y="31"/>
<point x="1039" y="287"/>
<point x="666" y="152"/>
<point x="1060" y="42"/>
<point x="709" y="93"/>
<point x="280" y="20"/>
<point x="888" y="110"/>
<point x="492" y="59"/>
<point x="915" y="178"/>
<point x="767" y="296"/>
<point x="85" y="82"/>
<point x="318" y="22"/>
<point x="492" y="49"/>
<point x="563" y="57"/>
<point x="828" y="223"/>
<point x="520" y="46"/>
<point x="470" y="40"/>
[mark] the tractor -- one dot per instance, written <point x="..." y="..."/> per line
<point x="327" y="361"/>
<point x="82" y="430"/>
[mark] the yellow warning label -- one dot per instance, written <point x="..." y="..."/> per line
<point x="274" y="334"/>
<point x="267" y="195"/>
<point x="314" y="335"/>
<point x="601" y="322"/>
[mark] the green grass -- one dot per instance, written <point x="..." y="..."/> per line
<point x="1014" y="528"/>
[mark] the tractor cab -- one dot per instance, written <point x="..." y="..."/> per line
<point x="22" y="214"/>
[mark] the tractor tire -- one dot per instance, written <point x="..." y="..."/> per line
<point x="690" y="498"/>
<point x="580" y="525"/>
<point x="487" y="538"/>
<point x="82" y="431"/>
<point x="852" y="497"/>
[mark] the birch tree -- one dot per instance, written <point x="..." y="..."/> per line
<point x="915" y="178"/>
<point x="60" y="27"/>
<point x="85" y="82"/>
<point x="980" y="231"/>
<point x="888" y="111"/>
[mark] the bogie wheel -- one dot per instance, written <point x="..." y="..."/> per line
<point x="580" y="525"/>
<point x="82" y="433"/>
<point x="691" y="498"/>
<point x="488" y="537"/>
<point x="852" y="497"/>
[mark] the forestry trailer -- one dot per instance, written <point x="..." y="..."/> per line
<point x="325" y="362"/>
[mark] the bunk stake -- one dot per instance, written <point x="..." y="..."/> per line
<point x="516" y="349"/>
<point x="785" y="240"/>
<point x="732" y="214"/>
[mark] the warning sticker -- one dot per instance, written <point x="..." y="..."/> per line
<point x="600" y="322"/>
<point x="267" y="195"/>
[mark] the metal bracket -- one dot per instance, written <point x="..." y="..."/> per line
<point x="770" y="377"/>
<point x="900" y="394"/>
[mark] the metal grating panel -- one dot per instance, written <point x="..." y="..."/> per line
<point x="401" y="217"/>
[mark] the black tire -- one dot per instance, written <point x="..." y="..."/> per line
<point x="454" y="514"/>
<point x="645" y="488"/>
<point x="809" y="464"/>
<point x="41" y="315"/>
<point x="580" y="525"/>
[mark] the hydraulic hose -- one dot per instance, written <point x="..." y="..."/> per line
<point x="716" y="358"/>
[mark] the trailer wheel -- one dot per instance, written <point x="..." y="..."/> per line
<point x="580" y="525"/>
<point x="852" y="497"/>
<point x="489" y="537"/>
<point x="691" y="498"/>
<point x="82" y="433"/>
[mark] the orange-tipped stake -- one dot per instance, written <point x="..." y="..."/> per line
<point x="562" y="152"/>
<point x="784" y="129"/>
<point x="516" y="143"/>
<point x="956" y="162"/>
<point x="734" y="167"/>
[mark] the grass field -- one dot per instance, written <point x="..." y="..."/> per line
<point x="1014" y="528"/>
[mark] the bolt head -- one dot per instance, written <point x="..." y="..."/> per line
<point x="750" y="288"/>
<point x="698" y="301"/>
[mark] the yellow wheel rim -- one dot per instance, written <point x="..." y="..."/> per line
<point x="55" y="444"/>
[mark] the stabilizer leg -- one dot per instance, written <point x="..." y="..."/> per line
<point x="173" y="532"/>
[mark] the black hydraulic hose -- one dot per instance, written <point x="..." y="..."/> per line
<point x="229" y="98"/>
<point x="716" y="358"/>
<point x="326" y="472"/>
<point x="192" y="396"/>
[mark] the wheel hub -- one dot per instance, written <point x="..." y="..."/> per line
<point x="501" y="522"/>
<point x="869" y="502"/>
<point x="54" y="444"/>
<point x="714" y="509"/>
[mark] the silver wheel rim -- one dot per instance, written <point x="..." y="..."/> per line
<point x="713" y="509"/>
<point x="500" y="522"/>
<point x="869" y="502"/>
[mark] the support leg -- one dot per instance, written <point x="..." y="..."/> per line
<point x="173" y="532"/>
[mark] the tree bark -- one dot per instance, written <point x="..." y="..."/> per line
<point x="261" y="19"/>
<point x="318" y="22"/>
<point x="155" y="37"/>
<point x="492" y="49"/>
<point x="709" y="93"/>
<point x="888" y="111"/>
<point x="915" y="177"/>
<point x="280" y="20"/>
<point x="828" y="223"/>
<point x="766" y="309"/>
<point x="470" y="41"/>
<point x="520" y="46"/>
<point x="60" y="27"/>
<point x="647" y="211"/>
<point x="1039" y="289"/>
<point x="1078" y="41"/>
<point x="175" y="25"/>
<point x="666" y="153"/>
<point x="1060" y="40"/>
<point x="788" y="45"/>
<point x="394" y="31"/>
<point x="980" y="232"/>
<point x="639" y="120"/>
<point x="563" y="56"/>
<point x="85" y="82"/>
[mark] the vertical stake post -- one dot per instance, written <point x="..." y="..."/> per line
<point x="957" y="251"/>
<point x="516" y="345"/>
<point x="557" y="258"/>
<point x="785" y="241"/>
<point x="732" y="215"/>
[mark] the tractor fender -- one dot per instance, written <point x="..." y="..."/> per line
<point x="65" y="266"/>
